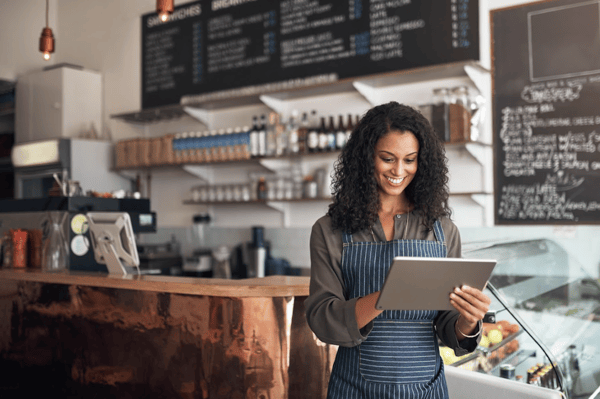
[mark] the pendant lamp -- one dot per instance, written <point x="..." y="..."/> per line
<point x="47" y="39"/>
<point x="164" y="8"/>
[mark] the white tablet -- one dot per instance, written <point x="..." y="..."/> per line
<point x="425" y="283"/>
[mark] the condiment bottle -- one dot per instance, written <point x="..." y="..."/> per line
<point x="19" y="246"/>
<point x="261" y="189"/>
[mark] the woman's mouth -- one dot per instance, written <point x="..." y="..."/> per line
<point x="395" y="181"/>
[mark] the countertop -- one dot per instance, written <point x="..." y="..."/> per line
<point x="272" y="286"/>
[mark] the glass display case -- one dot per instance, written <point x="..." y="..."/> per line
<point x="543" y="327"/>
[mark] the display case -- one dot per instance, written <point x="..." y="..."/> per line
<point x="543" y="327"/>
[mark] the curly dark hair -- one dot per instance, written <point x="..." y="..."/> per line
<point x="355" y="196"/>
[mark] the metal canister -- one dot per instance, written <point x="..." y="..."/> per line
<point x="507" y="371"/>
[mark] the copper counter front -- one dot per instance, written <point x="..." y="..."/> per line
<point x="96" y="342"/>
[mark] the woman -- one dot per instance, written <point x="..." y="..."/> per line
<point x="390" y="199"/>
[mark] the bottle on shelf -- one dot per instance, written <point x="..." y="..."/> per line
<point x="254" y="137"/>
<point x="340" y="135"/>
<point x="194" y="156"/>
<point x="218" y="147"/>
<point x="440" y="114"/>
<point x="349" y="127"/>
<point x="331" y="134"/>
<point x="261" y="189"/>
<point x="176" y="149"/>
<point x="312" y="138"/>
<point x="272" y="134"/>
<point x="244" y="143"/>
<point x="185" y="147"/>
<point x="292" y="134"/>
<point x="323" y="138"/>
<point x="228" y="154"/>
<point x="280" y="137"/>
<point x="303" y="133"/>
<point x="262" y="136"/>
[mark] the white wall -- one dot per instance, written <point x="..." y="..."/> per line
<point x="21" y="24"/>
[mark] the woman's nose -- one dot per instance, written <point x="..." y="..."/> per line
<point x="398" y="168"/>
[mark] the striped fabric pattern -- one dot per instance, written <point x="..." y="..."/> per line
<point x="400" y="358"/>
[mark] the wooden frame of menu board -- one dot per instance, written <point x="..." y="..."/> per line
<point x="218" y="49"/>
<point x="546" y="90"/>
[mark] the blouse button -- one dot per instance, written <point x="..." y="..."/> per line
<point x="398" y="216"/>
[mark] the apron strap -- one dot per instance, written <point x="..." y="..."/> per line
<point x="439" y="232"/>
<point x="346" y="238"/>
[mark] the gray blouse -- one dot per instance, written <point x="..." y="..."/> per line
<point x="331" y="317"/>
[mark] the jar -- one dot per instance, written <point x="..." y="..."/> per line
<point x="228" y="193"/>
<point x="19" y="246"/>
<point x="196" y="194"/>
<point x="310" y="188"/>
<point x="459" y="115"/>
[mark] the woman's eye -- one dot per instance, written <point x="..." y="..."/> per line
<point x="410" y="160"/>
<point x="387" y="159"/>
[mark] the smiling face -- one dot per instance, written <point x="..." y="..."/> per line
<point x="396" y="156"/>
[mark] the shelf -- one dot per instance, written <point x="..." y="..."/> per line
<point x="515" y="359"/>
<point x="264" y="161"/>
<point x="152" y="115"/>
<point x="373" y="88"/>
<point x="266" y="202"/>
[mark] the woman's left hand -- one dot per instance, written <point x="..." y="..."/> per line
<point x="472" y="305"/>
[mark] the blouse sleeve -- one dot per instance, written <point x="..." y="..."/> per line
<point x="446" y="320"/>
<point x="329" y="314"/>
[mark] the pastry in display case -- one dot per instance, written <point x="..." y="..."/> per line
<point x="543" y="327"/>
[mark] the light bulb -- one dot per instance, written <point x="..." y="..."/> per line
<point x="164" y="16"/>
<point x="46" y="56"/>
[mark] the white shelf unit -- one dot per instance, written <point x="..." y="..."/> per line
<point x="470" y="164"/>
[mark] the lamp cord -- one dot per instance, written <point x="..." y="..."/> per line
<point x="47" y="12"/>
<point x="558" y="374"/>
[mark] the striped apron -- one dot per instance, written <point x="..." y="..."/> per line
<point x="400" y="357"/>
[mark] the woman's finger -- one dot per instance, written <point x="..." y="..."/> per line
<point x="476" y="293"/>
<point x="470" y="304"/>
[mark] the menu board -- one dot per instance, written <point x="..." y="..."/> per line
<point x="239" y="47"/>
<point x="546" y="78"/>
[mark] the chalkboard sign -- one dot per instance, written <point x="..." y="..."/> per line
<point x="222" y="46"/>
<point x="546" y="82"/>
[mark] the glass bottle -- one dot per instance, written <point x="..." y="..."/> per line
<point x="331" y="134"/>
<point x="55" y="250"/>
<point x="439" y="114"/>
<point x="312" y="138"/>
<point x="254" y="138"/>
<point x="292" y="133"/>
<point x="262" y="136"/>
<point x="349" y="128"/>
<point x="272" y="134"/>
<point x="340" y="135"/>
<point x="323" y="138"/>
<point x="261" y="189"/>
<point x="303" y="133"/>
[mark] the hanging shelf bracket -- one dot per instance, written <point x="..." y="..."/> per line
<point x="203" y="172"/>
<point x="202" y="115"/>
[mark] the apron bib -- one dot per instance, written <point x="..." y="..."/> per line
<point x="400" y="357"/>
